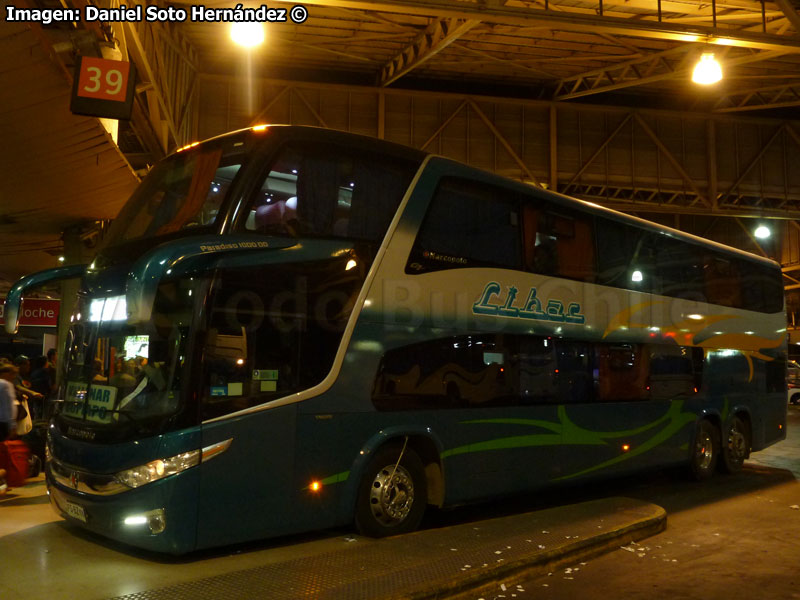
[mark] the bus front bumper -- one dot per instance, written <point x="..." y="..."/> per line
<point x="160" y="516"/>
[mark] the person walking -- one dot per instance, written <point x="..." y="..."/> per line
<point x="8" y="411"/>
<point x="8" y="402"/>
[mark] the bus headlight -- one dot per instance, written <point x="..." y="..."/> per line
<point x="158" y="469"/>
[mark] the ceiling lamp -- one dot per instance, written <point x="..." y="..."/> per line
<point x="247" y="34"/>
<point x="707" y="70"/>
<point x="762" y="232"/>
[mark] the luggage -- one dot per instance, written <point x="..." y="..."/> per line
<point x="14" y="459"/>
<point x="36" y="441"/>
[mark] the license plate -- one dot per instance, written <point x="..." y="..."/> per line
<point x="76" y="511"/>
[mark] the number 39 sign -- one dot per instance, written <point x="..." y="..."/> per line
<point x="103" y="88"/>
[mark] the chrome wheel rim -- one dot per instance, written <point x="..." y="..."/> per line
<point x="391" y="501"/>
<point x="704" y="450"/>
<point x="737" y="449"/>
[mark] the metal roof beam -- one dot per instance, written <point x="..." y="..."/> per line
<point x="629" y="74"/>
<point x="791" y="13"/>
<point x="776" y="96"/>
<point x="493" y="12"/>
<point x="436" y="37"/>
<point x="652" y="67"/>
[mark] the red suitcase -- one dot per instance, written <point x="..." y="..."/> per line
<point x="14" y="459"/>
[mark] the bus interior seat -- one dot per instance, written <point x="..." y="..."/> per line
<point x="276" y="214"/>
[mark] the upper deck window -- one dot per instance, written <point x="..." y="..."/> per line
<point x="558" y="242"/>
<point x="468" y="225"/>
<point x="330" y="191"/>
<point x="184" y="191"/>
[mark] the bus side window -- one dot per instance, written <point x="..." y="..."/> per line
<point x="680" y="269"/>
<point x="458" y="372"/>
<point x="558" y="244"/>
<point x="775" y="374"/>
<point x="622" y="372"/>
<point x="722" y="281"/>
<point x="574" y="372"/>
<point x="538" y="368"/>
<point x="761" y="287"/>
<point x="671" y="372"/>
<point x="468" y="224"/>
<point x="617" y="265"/>
<point x="273" y="330"/>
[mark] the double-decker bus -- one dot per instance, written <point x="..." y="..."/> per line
<point x="292" y="328"/>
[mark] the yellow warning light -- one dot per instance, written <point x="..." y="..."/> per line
<point x="315" y="486"/>
<point x="260" y="127"/>
<point x="626" y="447"/>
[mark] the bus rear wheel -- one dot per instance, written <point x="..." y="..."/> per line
<point x="705" y="451"/>
<point x="392" y="494"/>
<point x="736" y="446"/>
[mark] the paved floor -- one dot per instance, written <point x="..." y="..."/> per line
<point x="730" y="538"/>
<point x="44" y="558"/>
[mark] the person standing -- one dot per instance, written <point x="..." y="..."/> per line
<point x="52" y="356"/>
<point x="41" y="383"/>
<point x="8" y="402"/>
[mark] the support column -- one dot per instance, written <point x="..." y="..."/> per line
<point x="553" y="148"/>
<point x="74" y="254"/>
<point x="711" y="145"/>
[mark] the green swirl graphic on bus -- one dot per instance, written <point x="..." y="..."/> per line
<point x="492" y="303"/>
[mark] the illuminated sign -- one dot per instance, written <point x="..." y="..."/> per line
<point x="103" y="88"/>
<point x="35" y="312"/>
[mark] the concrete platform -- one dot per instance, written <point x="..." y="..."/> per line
<point x="440" y="562"/>
<point x="48" y="559"/>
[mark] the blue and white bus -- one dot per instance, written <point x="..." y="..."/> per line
<point x="292" y="328"/>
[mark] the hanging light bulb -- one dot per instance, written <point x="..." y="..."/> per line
<point x="707" y="70"/>
<point x="248" y="34"/>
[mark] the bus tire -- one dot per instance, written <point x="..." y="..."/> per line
<point x="383" y="509"/>
<point x="705" y="451"/>
<point x="735" y="446"/>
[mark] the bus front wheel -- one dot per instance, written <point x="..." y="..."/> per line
<point x="392" y="494"/>
<point x="736" y="446"/>
<point x="705" y="451"/>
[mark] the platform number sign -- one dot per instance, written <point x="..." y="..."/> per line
<point x="103" y="88"/>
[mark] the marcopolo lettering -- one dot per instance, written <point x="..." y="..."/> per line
<point x="492" y="303"/>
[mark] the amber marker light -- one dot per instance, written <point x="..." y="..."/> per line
<point x="626" y="447"/>
<point x="315" y="486"/>
<point x="186" y="147"/>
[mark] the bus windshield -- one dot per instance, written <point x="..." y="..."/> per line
<point x="184" y="191"/>
<point x="122" y="375"/>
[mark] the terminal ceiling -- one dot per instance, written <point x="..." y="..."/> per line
<point x="64" y="172"/>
